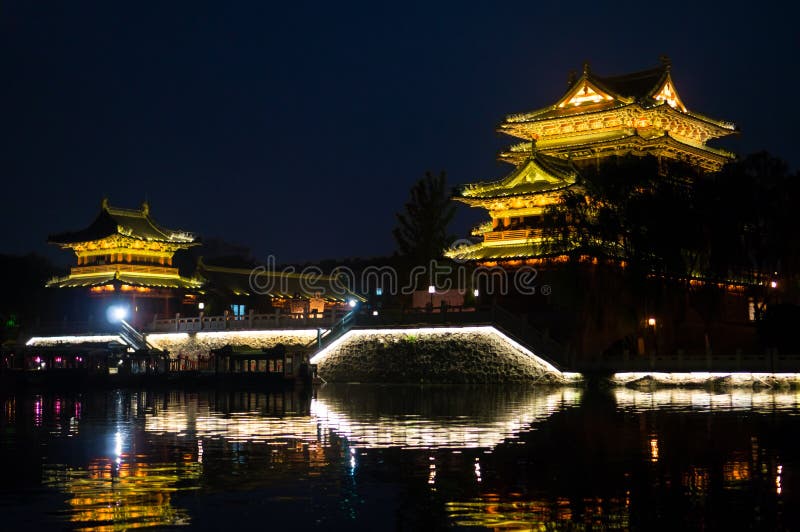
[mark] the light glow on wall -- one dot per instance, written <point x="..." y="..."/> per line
<point x="440" y="331"/>
<point x="701" y="377"/>
<point x="59" y="340"/>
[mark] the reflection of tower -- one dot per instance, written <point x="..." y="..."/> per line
<point x="127" y="494"/>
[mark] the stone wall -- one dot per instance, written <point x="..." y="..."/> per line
<point x="191" y="345"/>
<point x="433" y="356"/>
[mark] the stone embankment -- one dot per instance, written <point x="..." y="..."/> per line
<point x="434" y="357"/>
<point x="198" y="345"/>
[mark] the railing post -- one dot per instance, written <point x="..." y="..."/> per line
<point x="177" y="321"/>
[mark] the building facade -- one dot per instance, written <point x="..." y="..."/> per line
<point x="124" y="257"/>
<point x="638" y="114"/>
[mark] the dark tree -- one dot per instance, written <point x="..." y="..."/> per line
<point x="421" y="231"/>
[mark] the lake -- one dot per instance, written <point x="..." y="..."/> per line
<point x="360" y="457"/>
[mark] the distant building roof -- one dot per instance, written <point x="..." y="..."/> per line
<point x="259" y="280"/>
<point x="591" y="93"/>
<point x="128" y="278"/>
<point x="134" y="223"/>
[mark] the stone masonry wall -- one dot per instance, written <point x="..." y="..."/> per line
<point x="434" y="357"/>
<point x="193" y="345"/>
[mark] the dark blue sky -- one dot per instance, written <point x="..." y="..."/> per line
<point x="297" y="129"/>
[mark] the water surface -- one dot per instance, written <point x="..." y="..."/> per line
<point x="408" y="458"/>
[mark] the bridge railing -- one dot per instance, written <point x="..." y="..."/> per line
<point x="229" y="322"/>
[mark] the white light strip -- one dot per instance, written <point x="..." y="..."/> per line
<point x="56" y="340"/>
<point x="527" y="351"/>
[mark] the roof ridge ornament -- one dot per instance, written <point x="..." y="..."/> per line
<point x="145" y="208"/>
<point x="586" y="68"/>
<point x="571" y="78"/>
<point x="104" y="203"/>
<point x="665" y="61"/>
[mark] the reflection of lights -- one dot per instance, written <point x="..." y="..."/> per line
<point x="736" y="471"/>
<point x="432" y="471"/>
<point x="104" y="496"/>
<point x="199" y="451"/>
<point x="778" y="487"/>
<point x="37" y="411"/>
<point x="458" y="432"/>
<point x="477" y="469"/>
<point x="327" y="418"/>
<point x="118" y="447"/>
<point x="703" y="400"/>
<point x="696" y="480"/>
<point x="654" y="449"/>
<point x="494" y="512"/>
<point x="352" y="461"/>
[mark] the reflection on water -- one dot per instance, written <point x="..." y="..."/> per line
<point x="702" y="400"/>
<point x="402" y="417"/>
<point x="110" y="496"/>
<point x="383" y="417"/>
<point x="363" y="457"/>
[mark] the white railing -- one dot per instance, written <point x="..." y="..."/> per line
<point x="229" y="322"/>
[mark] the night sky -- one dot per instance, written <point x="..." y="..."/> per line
<point x="298" y="129"/>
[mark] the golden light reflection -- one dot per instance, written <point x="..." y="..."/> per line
<point x="735" y="471"/>
<point x="696" y="480"/>
<point x="500" y="513"/>
<point x="654" y="449"/>
<point x="106" y="496"/>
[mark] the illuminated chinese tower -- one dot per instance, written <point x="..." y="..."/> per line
<point x="124" y="255"/>
<point x="634" y="114"/>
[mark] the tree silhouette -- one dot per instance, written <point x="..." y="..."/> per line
<point x="421" y="231"/>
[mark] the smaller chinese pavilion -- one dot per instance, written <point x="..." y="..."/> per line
<point x="516" y="205"/>
<point x="124" y="256"/>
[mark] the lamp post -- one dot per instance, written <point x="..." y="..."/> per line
<point x="431" y="291"/>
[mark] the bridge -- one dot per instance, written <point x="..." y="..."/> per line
<point x="336" y="326"/>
